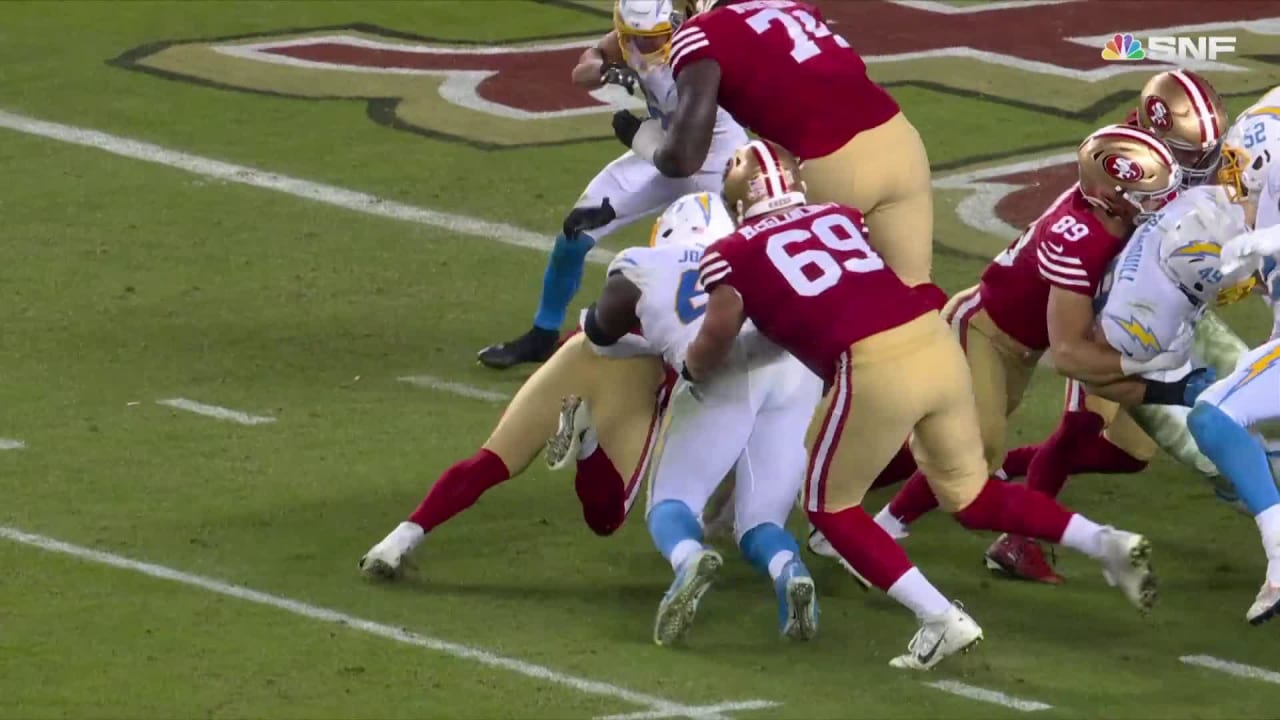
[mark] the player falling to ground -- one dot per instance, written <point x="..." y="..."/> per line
<point x="806" y="276"/>
<point x="627" y="395"/>
<point x="751" y="420"/>
<point x="1225" y="419"/>
<point x="634" y="55"/>
<point x="777" y="68"/>
<point x="1037" y="296"/>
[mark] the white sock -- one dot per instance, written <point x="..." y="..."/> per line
<point x="1269" y="527"/>
<point x="914" y="591"/>
<point x="590" y="443"/>
<point x="891" y="524"/>
<point x="779" y="561"/>
<point x="408" y="534"/>
<point x="682" y="551"/>
<point x="1084" y="535"/>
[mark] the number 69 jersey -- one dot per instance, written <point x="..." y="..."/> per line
<point x="1066" y="247"/>
<point x="811" y="283"/>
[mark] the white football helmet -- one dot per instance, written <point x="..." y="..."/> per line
<point x="1191" y="248"/>
<point x="644" y="31"/>
<point x="696" y="219"/>
<point x="1252" y="146"/>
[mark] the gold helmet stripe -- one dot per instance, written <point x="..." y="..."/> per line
<point x="1209" y="131"/>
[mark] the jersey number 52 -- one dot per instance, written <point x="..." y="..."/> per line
<point x="802" y="26"/>
<point x="810" y="272"/>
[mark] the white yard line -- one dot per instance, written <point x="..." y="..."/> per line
<point x="655" y="707"/>
<point x="432" y="382"/>
<point x="11" y="444"/>
<point x="216" y="412"/>
<point x="984" y="695"/>
<point x="1232" y="668"/>
<point x="306" y="189"/>
<point x="710" y="709"/>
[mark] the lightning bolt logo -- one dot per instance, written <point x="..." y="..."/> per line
<point x="1139" y="332"/>
<point x="705" y="201"/>
<point x="1199" y="249"/>
<point x="1272" y="110"/>
<point x="1259" y="366"/>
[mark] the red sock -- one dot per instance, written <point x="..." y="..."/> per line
<point x="866" y="545"/>
<point x="459" y="487"/>
<point x="913" y="500"/>
<point x="1098" y="455"/>
<point x="899" y="468"/>
<point x="1017" y="460"/>
<point x="602" y="491"/>
<point x="1057" y="456"/>
<point x="1013" y="508"/>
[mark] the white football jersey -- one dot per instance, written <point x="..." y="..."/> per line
<point x="1269" y="216"/>
<point x="659" y="87"/>
<point x="1143" y="310"/>
<point x="1270" y="100"/>
<point x="672" y="301"/>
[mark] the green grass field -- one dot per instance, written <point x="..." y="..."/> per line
<point x="132" y="276"/>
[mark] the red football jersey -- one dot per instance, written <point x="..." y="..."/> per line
<point x="811" y="283"/>
<point x="1065" y="247"/>
<point x="784" y="74"/>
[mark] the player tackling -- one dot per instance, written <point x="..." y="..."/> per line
<point x="806" y="276"/>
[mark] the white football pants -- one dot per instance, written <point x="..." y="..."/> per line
<point x="750" y="421"/>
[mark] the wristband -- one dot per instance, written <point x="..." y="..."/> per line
<point x="1165" y="393"/>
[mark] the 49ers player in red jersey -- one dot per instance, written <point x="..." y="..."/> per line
<point x="777" y="68"/>
<point x="808" y="279"/>
<point x="1038" y="295"/>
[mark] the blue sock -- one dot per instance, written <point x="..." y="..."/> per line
<point x="761" y="543"/>
<point x="670" y="523"/>
<point x="561" y="280"/>
<point x="1239" y="456"/>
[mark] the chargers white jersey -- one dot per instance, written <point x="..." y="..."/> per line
<point x="672" y="301"/>
<point x="659" y="87"/>
<point x="1143" y="310"/>
<point x="1269" y="101"/>
<point x="1269" y="216"/>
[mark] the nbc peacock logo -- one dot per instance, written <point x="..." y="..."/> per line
<point x="1123" y="47"/>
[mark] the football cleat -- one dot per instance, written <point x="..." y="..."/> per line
<point x="535" y="346"/>
<point x="680" y="604"/>
<point x="939" y="638"/>
<point x="797" y="602"/>
<point x="1020" y="557"/>
<point x="388" y="559"/>
<point x="575" y="422"/>
<point x="1126" y="564"/>
<point x="1265" y="606"/>
<point x="819" y="545"/>
<point x="892" y="525"/>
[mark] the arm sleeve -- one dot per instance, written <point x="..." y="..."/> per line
<point x="691" y="43"/>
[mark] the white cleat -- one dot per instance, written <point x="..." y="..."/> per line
<point x="680" y="603"/>
<point x="892" y="525"/>
<point x="388" y="559"/>
<point x="575" y="421"/>
<point x="939" y="637"/>
<point x="819" y="545"/>
<point x="1126" y="564"/>
<point x="1265" y="606"/>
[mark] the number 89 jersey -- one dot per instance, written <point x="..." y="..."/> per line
<point x="811" y="283"/>
<point x="1066" y="247"/>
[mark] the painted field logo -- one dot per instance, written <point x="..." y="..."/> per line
<point x="1123" y="47"/>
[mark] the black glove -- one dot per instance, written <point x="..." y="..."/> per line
<point x="625" y="126"/>
<point x="684" y="372"/>
<point x="620" y="74"/>
<point x="581" y="219"/>
<point x="1180" y="392"/>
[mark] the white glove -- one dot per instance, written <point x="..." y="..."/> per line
<point x="1174" y="356"/>
<point x="1248" y="249"/>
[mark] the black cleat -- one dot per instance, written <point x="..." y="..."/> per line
<point x="535" y="346"/>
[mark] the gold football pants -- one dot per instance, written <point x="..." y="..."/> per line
<point x="884" y="172"/>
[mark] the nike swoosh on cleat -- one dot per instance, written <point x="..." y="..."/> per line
<point x="926" y="657"/>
